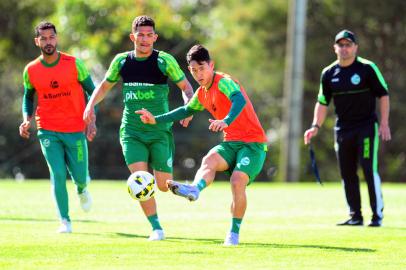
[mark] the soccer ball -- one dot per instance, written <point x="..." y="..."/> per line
<point x="141" y="186"/>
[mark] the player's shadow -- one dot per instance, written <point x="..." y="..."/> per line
<point x="172" y="239"/>
<point x="391" y="228"/>
<point x="264" y="245"/>
<point x="323" y="247"/>
<point x="43" y="219"/>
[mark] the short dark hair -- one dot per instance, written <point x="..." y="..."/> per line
<point x="43" y="26"/>
<point x="198" y="53"/>
<point x="142" y="20"/>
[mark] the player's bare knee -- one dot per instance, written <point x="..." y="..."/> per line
<point x="209" y="161"/>
<point x="162" y="186"/>
<point x="237" y="183"/>
<point x="161" y="178"/>
<point x="239" y="180"/>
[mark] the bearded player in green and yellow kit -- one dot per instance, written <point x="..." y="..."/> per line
<point x="145" y="72"/>
<point x="60" y="82"/>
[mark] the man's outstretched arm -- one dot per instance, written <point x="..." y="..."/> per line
<point x="174" y="115"/>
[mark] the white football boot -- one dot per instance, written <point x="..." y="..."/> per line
<point x="156" y="235"/>
<point x="85" y="200"/>
<point x="232" y="239"/>
<point x="65" y="227"/>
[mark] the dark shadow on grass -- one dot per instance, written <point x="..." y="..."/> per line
<point x="243" y="244"/>
<point x="88" y="233"/>
<point x="173" y="239"/>
<point x="274" y="245"/>
<point x="27" y="219"/>
<point x="128" y="235"/>
<point x="45" y="219"/>
<point x="389" y="228"/>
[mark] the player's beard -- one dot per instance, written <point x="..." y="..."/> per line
<point x="48" y="49"/>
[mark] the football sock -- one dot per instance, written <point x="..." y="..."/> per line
<point x="201" y="184"/>
<point x="153" y="219"/>
<point x="235" y="225"/>
<point x="80" y="189"/>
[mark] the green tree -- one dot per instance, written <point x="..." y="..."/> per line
<point x="247" y="39"/>
<point x="16" y="46"/>
<point x="381" y="37"/>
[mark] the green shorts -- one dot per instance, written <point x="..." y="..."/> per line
<point x="244" y="157"/>
<point x="153" y="147"/>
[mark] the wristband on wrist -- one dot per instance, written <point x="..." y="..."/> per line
<point x="315" y="126"/>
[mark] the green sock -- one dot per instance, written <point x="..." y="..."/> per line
<point x="201" y="184"/>
<point x="80" y="189"/>
<point x="235" y="225"/>
<point x="153" y="219"/>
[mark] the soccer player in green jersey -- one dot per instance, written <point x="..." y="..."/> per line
<point x="145" y="72"/>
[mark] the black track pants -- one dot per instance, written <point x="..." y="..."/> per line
<point x="360" y="146"/>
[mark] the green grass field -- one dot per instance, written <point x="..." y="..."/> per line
<point x="287" y="226"/>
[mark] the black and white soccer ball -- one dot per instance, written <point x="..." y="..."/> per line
<point x="141" y="185"/>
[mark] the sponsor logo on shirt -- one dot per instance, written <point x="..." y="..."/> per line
<point x="335" y="80"/>
<point x="355" y="79"/>
<point x="57" y="95"/>
<point x="336" y="71"/>
<point x="54" y="84"/>
<point x="138" y="84"/>
<point x="139" y="95"/>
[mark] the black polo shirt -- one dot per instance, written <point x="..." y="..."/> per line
<point x="354" y="90"/>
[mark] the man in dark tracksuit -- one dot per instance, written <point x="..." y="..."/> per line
<point x="354" y="84"/>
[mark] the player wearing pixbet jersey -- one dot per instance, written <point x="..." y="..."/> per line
<point x="59" y="82"/>
<point x="145" y="72"/>
<point x="243" y="151"/>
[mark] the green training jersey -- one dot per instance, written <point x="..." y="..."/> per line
<point x="144" y="86"/>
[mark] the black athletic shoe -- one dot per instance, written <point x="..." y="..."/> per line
<point x="352" y="222"/>
<point x="375" y="223"/>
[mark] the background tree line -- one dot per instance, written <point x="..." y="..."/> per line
<point x="247" y="39"/>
